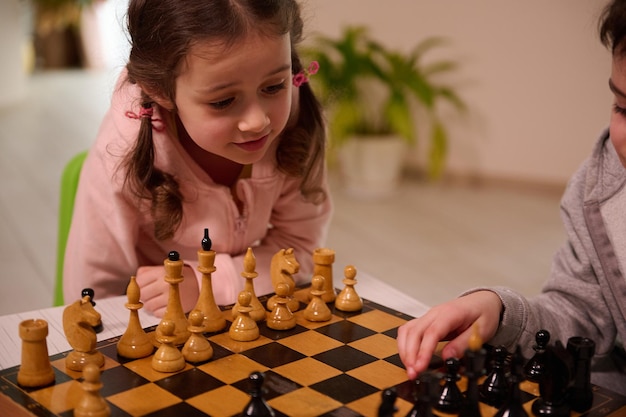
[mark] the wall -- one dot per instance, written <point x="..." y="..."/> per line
<point x="533" y="73"/>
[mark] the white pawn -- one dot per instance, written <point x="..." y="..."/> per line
<point x="197" y="348"/>
<point x="317" y="310"/>
<point x="281" y="317"/>
<point x="91" y="403"/>
<point x="348" y="299"/>
<point x="244" y="328"/>
<point x="167" y="357"/>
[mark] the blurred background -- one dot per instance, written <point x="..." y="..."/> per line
<point x="532" y="76"/>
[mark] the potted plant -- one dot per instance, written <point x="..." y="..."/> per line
<point x="371" y="94"/>
<point x="57" y="38"/>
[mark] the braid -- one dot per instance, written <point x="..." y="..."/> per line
<point x="146" y="181"/>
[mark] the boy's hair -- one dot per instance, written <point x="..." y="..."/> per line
<point x="161" y="33"/>
<point x="612" y="27"/>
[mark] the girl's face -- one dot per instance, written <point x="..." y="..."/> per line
<point x="617" y="128"/>
<point x="234" y="101"/>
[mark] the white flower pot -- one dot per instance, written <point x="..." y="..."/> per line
<point x="371" y="166"/>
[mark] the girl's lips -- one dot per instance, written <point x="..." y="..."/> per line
<point x="253" y="145"/>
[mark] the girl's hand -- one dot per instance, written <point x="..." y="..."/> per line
<point x="451" y="321"/>
<point x="155" y="290"/>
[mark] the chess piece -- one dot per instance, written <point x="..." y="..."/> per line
<point x="281" y="317"/>
<point x="513" y="405"/>
<point x="257" y="406"/>
<point x="197" y="348"/>
<point x="282" y="268"/>
<point x="249" y="273"/>
<point x="450" y="398"/>
<point x="79" y="319"/>
<point x="388" y="404"/>
<point x="35" y="369"/>
<point x="214" y="321"/>
<point x="317" y="310"/>
<point x="580" y="392"/>
<point x="174" y="309"/>
<point x="474" y="369"/>
<point x="90" y="293"/>
<point x="426" y="385"/>
<point x="134" y="343"/>
<point x="323" y="259"/>
<point x="167" y="358"/>
<point x="244" y="328"/>
<point x="91" y="404"/>
<point x="535" y="367"/>
<point x="495" y="388"/>
<point x="553" y="384"/>
<point x="348" y="300"/>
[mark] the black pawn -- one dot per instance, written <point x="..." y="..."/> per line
<point x="426" y="386"/>
<point x="513" y="405"/>
<point x="553" y="384"/>
<point x="474" y="370"/>
<point x="535" y="367"/>
<point x="580" y="393"/>
<point x="89" y="292"/>
<point x="257" y="407"/>
<point x="495" y="388"/>
<point x="450" y="398"/>
<point x="388" y="405"/>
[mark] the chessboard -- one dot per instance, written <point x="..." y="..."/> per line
<point x="340" y="367"/>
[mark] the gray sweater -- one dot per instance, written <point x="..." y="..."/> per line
<point x="586" y="292"/>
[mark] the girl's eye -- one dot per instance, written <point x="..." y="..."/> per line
<point x="222" y="104"/>
<point x="276" y="88"/>
<point x="619" y="110"/>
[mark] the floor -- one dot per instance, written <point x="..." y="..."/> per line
<point x="430" y="241"/>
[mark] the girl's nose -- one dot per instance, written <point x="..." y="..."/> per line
<point x="254" y="119"/>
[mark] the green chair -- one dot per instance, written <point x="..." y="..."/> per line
<point x="69" y="184"/>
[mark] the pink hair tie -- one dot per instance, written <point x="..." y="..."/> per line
<point x="146" y="113"/>
<point x="303" y="76"/>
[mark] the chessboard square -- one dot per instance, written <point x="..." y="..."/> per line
<point x="344" y="388"/>
<point x="380" y="374"/>
<point x="274" y="385"/>
<point x="273" y="334"/>
<point x="307" y="371"/>
<point x="60" y="364"/>
<point x="144" y="368"/>
<point x="143" y="400"/>
<point x="223" y="401"/>
<point x="59" y="397"/>
<point x="342" y="412"/>
<point x="119" y="379"/>
<point x="377" y="345"/>
<point x="345" y="331"/>
<point x="189" y="383"/>
<point x="273" y="355"/>
<point x="345" y="358"/>
<point x="314" y="324"/>
<point x="377" y="320"/>
<point x="224" y="340"/>
<point x="177" y="410"/>
<point x="304" y="402"/>
<point x="110" y="352"/>
<point x="232" y="368"/>
<point x="368" y="406"/>
<point x="310" y="343"/>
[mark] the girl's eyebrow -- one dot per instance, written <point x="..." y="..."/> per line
<point x="616" y="90"/>
<point x="218" y="87"/>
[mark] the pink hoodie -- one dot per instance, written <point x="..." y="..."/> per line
<point x="111" y="236"/>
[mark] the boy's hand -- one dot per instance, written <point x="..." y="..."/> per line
<point x="451" y="321"/>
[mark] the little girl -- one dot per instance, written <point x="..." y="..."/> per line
<point x="206" y="129"/>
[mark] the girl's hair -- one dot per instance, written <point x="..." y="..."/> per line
<point x="612" y="27"/>
<point x="161" y="33"/>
